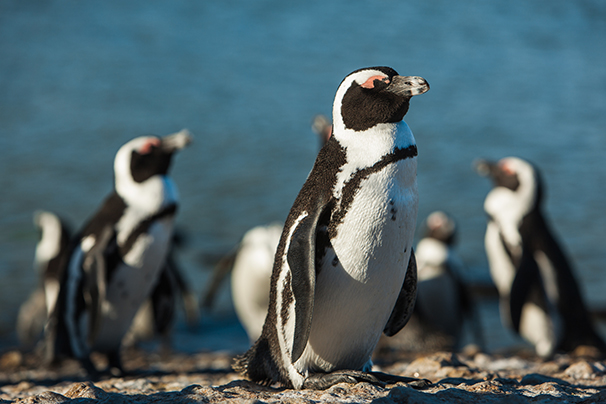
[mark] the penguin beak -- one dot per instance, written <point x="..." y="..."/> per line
<point x="486" y="168"/>
<point x="408" y="86"/>
<point x="176" y="141"/>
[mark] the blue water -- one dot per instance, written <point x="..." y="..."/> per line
<point x="78" y="79"/>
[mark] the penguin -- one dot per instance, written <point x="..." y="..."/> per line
<point x="50" y="259"/>
<point x="443" y="302"/>
<point x="539" y="295"/>
<point x="251" y="276"/>
<point x="118" y="255"/>
<point x="344" y="271"/>
<point x="251" y="263"/>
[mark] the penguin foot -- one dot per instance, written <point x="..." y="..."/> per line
<point x="387" y="378"/>
<point x="322" y="381"/>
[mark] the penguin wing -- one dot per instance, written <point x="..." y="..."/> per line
<point x="301" y="258"/>
<point x="405" y="303"/>
<point x="95" y="269"/>
<point x="527" y="278"/>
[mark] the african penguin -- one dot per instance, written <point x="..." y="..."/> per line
<point x="119" y="253"/>
<point x="251" y="263"/>
<point x="344" y="270"/>
<point x="51" y="254"/>
<point x="539" y="295"/>
<point x="443" y="301"/>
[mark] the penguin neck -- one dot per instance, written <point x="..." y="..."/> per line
<point x="50" y="242"/>
<point x="149" y="196"/>
<point x="365" y="148"/>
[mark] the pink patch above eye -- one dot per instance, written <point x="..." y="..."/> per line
<point x="507" y="168"/>
<point x="147" y="146"/>
<point x="370" y="83"/>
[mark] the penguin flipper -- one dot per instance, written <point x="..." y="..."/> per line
<point x="301" y="257"/>
<point x="527" y="277"/>
<point x="405" y="304"/>
<point x="95" y="272"/>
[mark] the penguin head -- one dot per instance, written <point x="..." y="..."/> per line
<point x="53" y="236"/>
<point x="372" y="96"/>
<point x="145" y="159"/>
<point x="441" y="226"/>
<point x="515" y="177"/>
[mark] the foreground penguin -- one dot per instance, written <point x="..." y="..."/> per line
<point x="443" y="301"/>
<point x="119" y="254"/>
<point x="52" y="252"/>
<point x="540" y="298"/>
<point x="344" y="270"/>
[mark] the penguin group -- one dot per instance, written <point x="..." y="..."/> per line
<point x="318" y="292"/>
<point x="95" y="281"/>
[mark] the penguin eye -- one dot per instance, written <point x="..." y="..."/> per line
<point x="507" y="168"/>
<point x="149" y="145"/>
<point x="370" y="82"/>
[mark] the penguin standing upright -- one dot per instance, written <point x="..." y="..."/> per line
<point x="118" y="254"/>
<point x="52" y="252"/>
<point x="539" y="295"/>
<point x="344" y="270"/>
<point x="443" y="300"/>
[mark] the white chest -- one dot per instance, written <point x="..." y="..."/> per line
<point x="359" y="281"/>
<point x="132" y="282"/>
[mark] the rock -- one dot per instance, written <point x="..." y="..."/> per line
<point x="11" y="360"/>
<point x="48" y="397"/>
<point x="86" y="390"/>
<point x="580" y="370"/>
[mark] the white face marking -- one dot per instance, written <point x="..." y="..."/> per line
<point x="360" y="78"/>
<point x="50" y="243"/>
<point x="507" y="208"/>
<point x="150" y="195"/>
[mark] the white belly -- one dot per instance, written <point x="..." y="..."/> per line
<point x="132" y="283"/>
<point x="355" y="298"/>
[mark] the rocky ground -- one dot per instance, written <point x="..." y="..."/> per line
<point x="207" y="378"/>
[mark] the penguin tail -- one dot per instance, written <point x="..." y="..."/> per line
<point x="257" y="365"/>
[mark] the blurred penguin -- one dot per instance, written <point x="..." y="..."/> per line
<point x="251" y="263"/>
<point x="539" y="295"/>
<point x="118" y="255"/>
<point x="52" y="252"/>
<point x="444" y="304"/>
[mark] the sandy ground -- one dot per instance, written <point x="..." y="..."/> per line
<point x="207" y="378"/>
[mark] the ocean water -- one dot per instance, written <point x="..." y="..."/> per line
<point x="79" y="79"/>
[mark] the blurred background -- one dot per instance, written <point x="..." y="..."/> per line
<point x="79" y="79"/>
